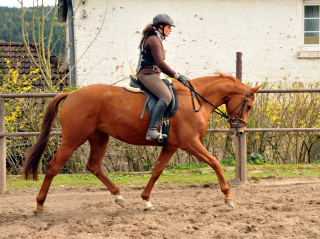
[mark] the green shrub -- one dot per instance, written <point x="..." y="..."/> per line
<point x="230" y="161"/>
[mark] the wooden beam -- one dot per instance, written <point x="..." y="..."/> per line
<point x="31" y="95"/>
<point x="266" y="130"/>
<point x="288" y="91"/>
<point x="3" y="149"/>
<point x="239" y="66"/>
<point x="27" y="134"/>
<point x="243" y="157"/>
<point x="238" y="157"/>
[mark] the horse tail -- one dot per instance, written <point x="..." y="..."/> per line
<point x="33" y="156"/>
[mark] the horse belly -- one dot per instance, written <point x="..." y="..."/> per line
<point x="127" y="128"/>
<point x="121" y="119"/>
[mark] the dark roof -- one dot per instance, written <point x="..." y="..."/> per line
<point x="16" y="52"/>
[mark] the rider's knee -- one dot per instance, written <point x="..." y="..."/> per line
<point x="168" y="99"/>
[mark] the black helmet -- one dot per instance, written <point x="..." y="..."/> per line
<point x="162" y="19"/>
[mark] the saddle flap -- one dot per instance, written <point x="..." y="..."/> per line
<point x="135" y="83"/>
<point x="151" y="99"/>
<point x="172" y="107"/>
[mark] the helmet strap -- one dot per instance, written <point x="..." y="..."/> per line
<point x="162" y="28"/>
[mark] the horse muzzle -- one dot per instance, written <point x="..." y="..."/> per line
<point x="237" y="131"/>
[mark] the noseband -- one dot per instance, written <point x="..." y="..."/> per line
<point x="234" y="121"/>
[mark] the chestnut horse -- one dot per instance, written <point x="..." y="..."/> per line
<point x="96" y="112"/>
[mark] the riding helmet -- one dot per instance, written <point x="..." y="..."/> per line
<point x="162" y="19"/>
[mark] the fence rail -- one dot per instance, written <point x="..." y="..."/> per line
<point x="256" y="130"/>
<point x="49" y="95"/>
<point x="32" y="95"/>
<point x="241" y="150"/>
<point x="288" y="91"/>
<point x="248" y="130"/>
<point x="27" y="134"/>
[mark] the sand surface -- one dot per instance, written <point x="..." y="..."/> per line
<point x="267" y="208"/>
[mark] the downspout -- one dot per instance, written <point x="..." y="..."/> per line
<point x="72" y="45"/>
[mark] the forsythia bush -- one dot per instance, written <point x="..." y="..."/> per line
<point x="18" y="112"/>
<point x="281" y="110"/>
<point x="14" y="83"/>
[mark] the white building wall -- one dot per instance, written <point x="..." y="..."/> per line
<point x="207" y="35"/>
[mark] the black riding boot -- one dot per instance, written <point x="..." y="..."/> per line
<point x="156" y="116"/>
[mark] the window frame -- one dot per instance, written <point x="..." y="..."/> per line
<point x="309" y="47"/>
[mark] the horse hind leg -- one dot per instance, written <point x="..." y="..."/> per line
<point x="98" y="146"/>
<point x="59" y="159"/>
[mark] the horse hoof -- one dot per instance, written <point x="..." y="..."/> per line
<point x="120" y="202"/>
<point x="147" y="209"/>
<point x="38" y="213"/>
<point x="229" y="202"/>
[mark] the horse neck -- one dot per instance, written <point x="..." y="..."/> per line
<point x="217" y="90"/>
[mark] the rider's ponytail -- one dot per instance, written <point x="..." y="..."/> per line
<point x="147" y="31"/>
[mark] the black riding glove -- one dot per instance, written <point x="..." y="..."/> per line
<point x="183" y="79"/>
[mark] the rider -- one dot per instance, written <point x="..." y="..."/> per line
<point x="151" y="64"/>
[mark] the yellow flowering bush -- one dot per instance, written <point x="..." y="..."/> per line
<point x="13" y="82"/>
<point x="18" y="111"/>
<point x="26" y="115"/>
<point x="281" y="110"/>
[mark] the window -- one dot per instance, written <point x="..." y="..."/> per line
<point x="311" y="25"/>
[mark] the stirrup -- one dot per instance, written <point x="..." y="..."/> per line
<point x="156" y="135"/>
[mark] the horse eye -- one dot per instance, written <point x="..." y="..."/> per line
<point x="249" y="107"/>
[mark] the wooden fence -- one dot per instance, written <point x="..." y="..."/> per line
<point x="240" y="145"/>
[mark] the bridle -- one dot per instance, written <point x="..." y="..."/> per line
<point x="240" y="112"/>
<point x="234" y="121"/>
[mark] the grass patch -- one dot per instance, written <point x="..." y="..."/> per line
<point x="284" y="171"/>
<point x="179" y="177"/>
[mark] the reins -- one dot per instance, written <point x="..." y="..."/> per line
<point x="217" y="110"/>
<point x="192" y="96"/>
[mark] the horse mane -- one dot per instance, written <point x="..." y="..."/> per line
<point x="237" y="82"/>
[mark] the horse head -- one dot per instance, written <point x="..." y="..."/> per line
<point x="238" y="107"/>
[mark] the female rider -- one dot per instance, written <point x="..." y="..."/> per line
<point x="151" y="64"/>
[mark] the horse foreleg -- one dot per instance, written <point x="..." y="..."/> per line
<point x="59" y="159"/>
<point x="162" y="161"/>
<point x="199" y="151"/>
<point x="98" y="146"/>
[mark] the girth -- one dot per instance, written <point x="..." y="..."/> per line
<point x="151" y="101"/>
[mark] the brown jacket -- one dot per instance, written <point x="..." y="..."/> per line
<point x="154" y="46"/>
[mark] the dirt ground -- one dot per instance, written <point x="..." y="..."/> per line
<point x="267" y="208"/>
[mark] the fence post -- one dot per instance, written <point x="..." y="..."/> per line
<point x="239" y="66"/>
<point x="3" y="149"/>
<point x="241" y="141"/>
<point x="238" y="157"/>
<point x="241" y="157"/>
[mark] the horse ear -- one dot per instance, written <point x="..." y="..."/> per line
<point x="254" y="89"/>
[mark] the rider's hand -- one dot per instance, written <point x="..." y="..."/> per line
<point x="183" y="79"/>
